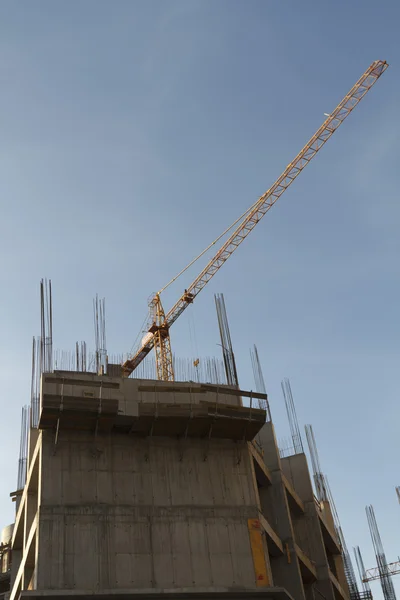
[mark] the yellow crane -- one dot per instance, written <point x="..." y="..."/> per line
<point x="384" y="570"/>
<point x="158" y="336"/>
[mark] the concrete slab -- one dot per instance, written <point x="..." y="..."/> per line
<point x="273" y="593"/>
<point x="86" y="402"/>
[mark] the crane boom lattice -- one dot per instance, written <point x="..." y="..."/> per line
<point x="260" y="208"/>
<point x="376" y="573"/>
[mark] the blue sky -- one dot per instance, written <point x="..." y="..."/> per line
<point x="133" y="133"/>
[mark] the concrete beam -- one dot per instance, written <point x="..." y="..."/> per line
<point x="294" y="499"/>
<point x="202" y="388"/>
<point x="330" y="539"/>
<point x="27" y="560"/>
<point x="31" y="485"/>
<point x="275" y="546"/>
<point x="263" y="474"/>
<point x="272" y="593"/>
<point x="207" y="418"/>
<point x="308" y="570"/>
<point x="339" y="591"/>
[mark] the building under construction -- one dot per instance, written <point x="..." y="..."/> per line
<point x="140" y="487"/>
<point x="141" y="482"/>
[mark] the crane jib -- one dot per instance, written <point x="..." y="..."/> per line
<point x="264" y="203"/>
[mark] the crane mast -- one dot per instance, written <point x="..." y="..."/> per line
<point x="162" y="322"/>
<point x="162" y="343"/>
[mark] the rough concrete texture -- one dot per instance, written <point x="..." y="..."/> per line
<point x="213" y="593"/>
<point x="130" y="392"/>
<point x="274" y="505"/>
<point x="309" y="530"/>
<point x="150" y="489"/>
<point x="142" y="407"/>
<point x="119" y="512"/>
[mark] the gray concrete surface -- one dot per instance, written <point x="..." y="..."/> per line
<point x="119" y="512"/>
<point x="111" y="511"/>
<point x="160" y="594"/>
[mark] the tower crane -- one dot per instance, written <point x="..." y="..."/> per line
<point x="158" y="336"/>
<point x="385" y="570"/>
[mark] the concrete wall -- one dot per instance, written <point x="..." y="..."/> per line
<point x="274" y="505"/>
<point x="308" y="528"/>
<point x="113" y="508"/>
<point x="305" y="527"/>
<point x="130" y="392"/>
<point x="121" y="512"/>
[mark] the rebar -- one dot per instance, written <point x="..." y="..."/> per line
<point x="292" y="417"/>
<point x="385" y="578"/>
<point x="319" y="479"/>
<point x="99" y="315"/>
<point x="226" y="341"/>
<point x="361" y="569"/>
<point x="23" y="447"/>
<point x="46" y="334"/>
<point x="259" y="380"/>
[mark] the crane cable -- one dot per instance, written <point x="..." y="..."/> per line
<point x="141" y="331"/>
<point x="209" y="246"/>
<point x="195" y="260"/>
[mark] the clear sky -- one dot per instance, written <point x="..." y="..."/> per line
<point x="134" y="132"/>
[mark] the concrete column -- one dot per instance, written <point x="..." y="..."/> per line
<point x="33" y="438"/>
<point x="15" y="563"/>
<point x="274" y="505"/>
<point x="308" y="531"/>
<point x="30" y="510"/>
<point x="337" y="559"/>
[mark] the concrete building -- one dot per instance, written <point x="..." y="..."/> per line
<point x="5" y="560"/>
<point x="151" y="489"/>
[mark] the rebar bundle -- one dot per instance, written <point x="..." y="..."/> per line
<point x="42" y="348"/>
<point x="324" y="494"/>
<point x="385" y="578"/>
<point x="361" y="570"/>
<point x="347" y="564"/>
<point x="35" y="381"/>
<point x="46" y="333"/>
<point x="319" y="479"/>
<point x="259" y="380"/>
<point x="99" y="315"/>
<point x="81" y="357"/>
<point x="226" y="341"/>
<point x="23" y="447"/>
<point x="205" y="370"/>
<point x="292" y="417"/>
